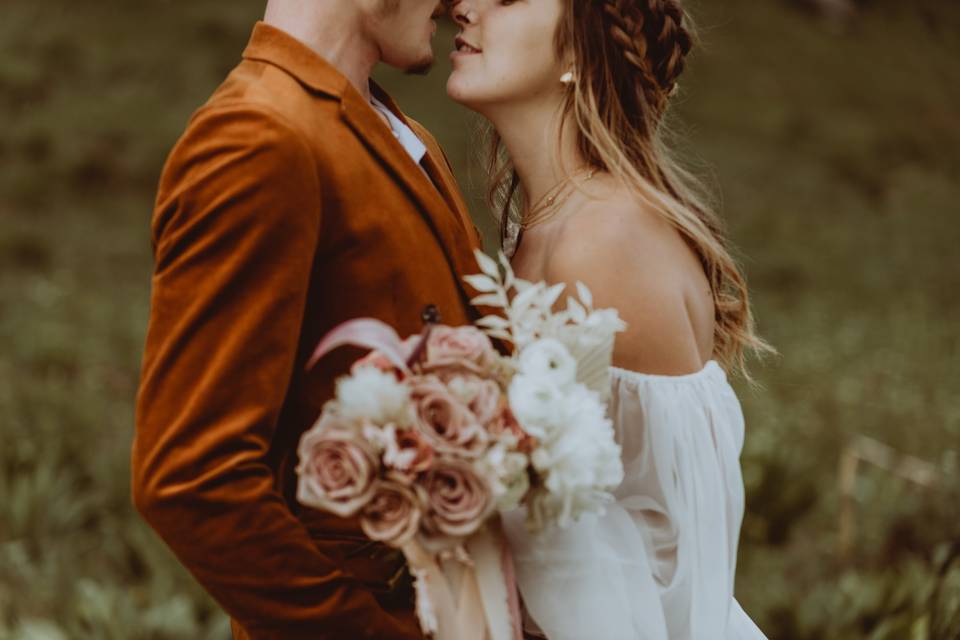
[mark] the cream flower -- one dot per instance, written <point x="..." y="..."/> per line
<point x="506" y="471"/>
<point x="373" y="394"/>
<point x="549" y="359"/>
<point x="535" y="402"/>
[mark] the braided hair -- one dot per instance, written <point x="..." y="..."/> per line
<point x="653" y="40"/>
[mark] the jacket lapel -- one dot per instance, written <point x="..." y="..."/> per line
<point x="438" y="202"/>
<point x="442" y="176"/>
<point x="435" y="202"/>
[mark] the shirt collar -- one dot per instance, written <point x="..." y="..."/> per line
<point x="404" y="134"/>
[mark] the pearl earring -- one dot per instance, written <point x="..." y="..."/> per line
<point x="567" y="78"/>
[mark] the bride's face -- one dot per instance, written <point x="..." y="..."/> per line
<point x="505" y="52"/>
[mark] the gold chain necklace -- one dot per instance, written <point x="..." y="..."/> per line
<point x="551" y="202"/>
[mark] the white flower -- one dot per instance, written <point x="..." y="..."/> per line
<point x="548" y="358"/>
<point x="393" y="455"/>
<point x="506" y="471"/>
<point x="583" y="410"/>
<point x="535" y="402"/>
<point x="516" y="487"/>
<point x="373" y="394"/>
<point x="578" y="460"/>
<point x="382" y="438"/>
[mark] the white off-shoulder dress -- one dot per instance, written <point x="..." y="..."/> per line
<point x="660" y="563"/>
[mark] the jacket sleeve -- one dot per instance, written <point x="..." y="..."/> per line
<point x="234" y="234"/>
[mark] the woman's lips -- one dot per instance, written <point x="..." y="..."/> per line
<point x="462" y="47"/>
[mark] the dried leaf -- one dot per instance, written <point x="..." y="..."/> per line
<point x="552" y="295"/>
<point x="489" y="300"/>
<point x="482" y="283"/>
<point x="487" y="264"/>
<point x="525" y="296"/>
<point x="522" y="285"/>
<point x="493" y="322"/>
<point x="502" y="335"/>
<point x="585" y="296"/>
<point x="577" y="313"/>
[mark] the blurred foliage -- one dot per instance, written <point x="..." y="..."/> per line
<point x="833" y="148"/>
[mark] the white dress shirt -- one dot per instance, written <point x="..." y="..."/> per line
<point x="404" y="134"/>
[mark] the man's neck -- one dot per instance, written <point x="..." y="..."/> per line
<point x="333" y="31"/>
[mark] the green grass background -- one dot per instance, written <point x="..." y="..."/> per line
<point x="834" y="152"/>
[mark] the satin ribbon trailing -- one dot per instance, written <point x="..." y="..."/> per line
<point x="474" y="599"/>
<point x="364" y="332"/>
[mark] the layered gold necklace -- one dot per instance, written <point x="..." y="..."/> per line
<point x="553" y="200"/>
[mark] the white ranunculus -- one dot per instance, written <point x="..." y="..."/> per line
<point x="373" y="394"/>
<point x="548" y="358"/>
<point x="535" y="402"/>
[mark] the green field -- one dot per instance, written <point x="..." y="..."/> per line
<point x="835" y="154"/>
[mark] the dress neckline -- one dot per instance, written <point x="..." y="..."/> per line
<point x="711" y="367"/>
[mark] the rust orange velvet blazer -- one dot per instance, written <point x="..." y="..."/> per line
<point x="286" y="208"/>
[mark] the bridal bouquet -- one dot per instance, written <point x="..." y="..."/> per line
<point x="429" y="437"/>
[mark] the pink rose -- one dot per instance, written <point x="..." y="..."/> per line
<point x="337" y="469"/>
<point x="445" y="422"/>
<point x="457" y="499"/>
<point x="408" y="453"/>
<point x="461" y="347"/>
<point x="481" y="395"/>
<point x="392" y="515"/>
<point x="487" y="400"/>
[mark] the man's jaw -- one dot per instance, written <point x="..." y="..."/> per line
<point x="422" y="67"/>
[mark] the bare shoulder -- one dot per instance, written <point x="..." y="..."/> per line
<point x="632" y="259"/>
<point x="609" y="231"/>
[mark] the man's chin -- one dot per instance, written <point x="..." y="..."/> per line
<point x="422" y="67"/>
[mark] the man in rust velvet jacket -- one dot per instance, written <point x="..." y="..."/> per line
<point x="287" y="207"/>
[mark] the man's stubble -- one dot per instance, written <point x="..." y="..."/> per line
<point x="388" y="9"/>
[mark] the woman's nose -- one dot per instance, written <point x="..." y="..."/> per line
<point x="461" y="12"/>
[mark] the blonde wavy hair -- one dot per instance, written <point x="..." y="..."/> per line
<point x="627" y="57"/>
